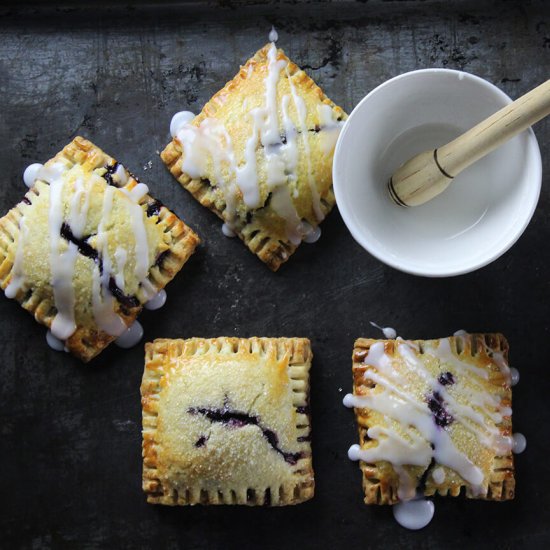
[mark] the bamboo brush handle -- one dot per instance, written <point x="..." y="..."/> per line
<point x="425" y="176"/>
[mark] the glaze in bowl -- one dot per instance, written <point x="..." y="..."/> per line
<point x="477" y="218"/>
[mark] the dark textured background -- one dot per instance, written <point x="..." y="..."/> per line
<point x="70" y="434"/>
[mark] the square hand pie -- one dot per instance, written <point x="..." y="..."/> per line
<point x="259" y="155"/>
<point x="87" y="247"/>
<point x="434" y="416"/>
<point x="226" y="421"/>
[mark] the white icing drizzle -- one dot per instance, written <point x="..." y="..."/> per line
<point x="121" y="256"/>
<point x="227" y="231"/>
<point x="53" y="342"/>
<point x="30" y="173"/>
<point x="273" y="35"/>
<point x="120" y="175"/>
<point x="396" y="401"/>
<point x="514" y="376"/>
<point x="131" y="336"/>
<point x="61" y="264"/>
<point x="300" y="107"/>
<point x="282" y="204"/>
<point x="103" y="302"/>
<point x="460" y="332"/>
<point x="247" y="174"/>
<point x="414" y="514"/>
<point x="17" y="275"/>
<point x="388" y="332"/>
<point x="519" y="443"/>
<point x="438" y="475"/>
<point x="157" y="301"/>
<point x="330" y="129"/>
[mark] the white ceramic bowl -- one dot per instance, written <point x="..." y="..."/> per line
<point x="477" y="218"/>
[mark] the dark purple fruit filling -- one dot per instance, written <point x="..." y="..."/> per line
<point x="238" y="419"/>
<point x="83" y="247"/>
<point x="153" y="208"/>
<point x="201" y="441"/>
<point x="302" y="409"/>
<point x="26" y="201"/>
<point x="108" y="176"/>
<point x="436" y="405"/>
<point x="161" y="257"/>
<point x="446" y="379"/>
<point x="124" y="299"/>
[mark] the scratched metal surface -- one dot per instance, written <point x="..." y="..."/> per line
<point x="70" y="434"/>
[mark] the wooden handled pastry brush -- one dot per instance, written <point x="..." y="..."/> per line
<point x="426" y="175"/>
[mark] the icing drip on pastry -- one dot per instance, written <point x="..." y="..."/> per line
<point x="430" y="416"/>
<point x="227" y="231"/>
<point x="514" y="376"/>
<point x="131" y="336"/>
<point x="388" y="332"/>
<point x="273" y="35"/>
<point x="30" y="173"/>
<point x="53" y="342"/>
<point x="414" y="514"/>
<point x="157" y="301"/>
<point x="179" y="120"/>
<point x="519" y="443"/>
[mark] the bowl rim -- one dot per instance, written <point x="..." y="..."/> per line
<point x="392" y="261"/>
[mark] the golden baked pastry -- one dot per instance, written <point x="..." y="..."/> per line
<point x="87" y="247"/>
<point x="434" y="416"/>
<point x="226" y="421"/>
<point x="259" y="155"/>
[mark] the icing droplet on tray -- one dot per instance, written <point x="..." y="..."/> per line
<point x="348" y="401"/>
<point x="313" y="235"/>
<point x="131" y="337"/>
<point x="273" y="35"/>
<point x="519" y="443"/>
<point x="388" y="332"/>
<point x="30" y="173"/>
<point x="414" y="514"/>
<point x="53" y="342"/>
<point x="514" y="376"/>
<point x="354" y="452"/>
<point x="227" y="231"/>
<point x="180" y="119"/>
<point x="157" y="301"/>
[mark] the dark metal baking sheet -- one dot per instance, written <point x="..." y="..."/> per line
<point x="70" y="460"/>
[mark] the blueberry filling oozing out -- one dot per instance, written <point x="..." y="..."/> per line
<point x="436" y="405"/>
<point x="446" y="379"/>
<point x="237" y="419"/>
